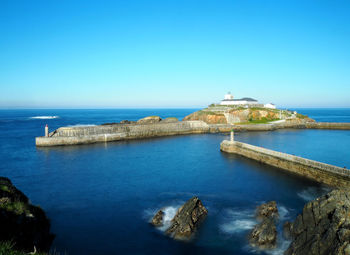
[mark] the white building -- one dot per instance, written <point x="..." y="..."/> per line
<point x="229" y="100"/>
<point x="270" y="106"/>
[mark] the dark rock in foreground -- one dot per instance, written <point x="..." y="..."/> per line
<point x="264" y="234"/>
<point x="323" y="228"/>
<point x="157" y="220"/>
<point x="187" y="219"/>
<point x="286" y="230"/>
<point x="268" y="210"/>
<point x="21" y="223"/>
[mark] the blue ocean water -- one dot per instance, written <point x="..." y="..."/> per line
<point x="101" y="197"/>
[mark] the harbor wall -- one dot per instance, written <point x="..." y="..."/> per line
<point x="320" y="172"/>
<point x="115" y="132"/>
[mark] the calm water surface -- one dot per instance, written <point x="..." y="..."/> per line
<point x="100" y="197"/>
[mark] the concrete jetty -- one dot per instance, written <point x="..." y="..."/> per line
<point x="120" y="131"/>
<point x="320" y="172"/>
<point x="117" y="132"/>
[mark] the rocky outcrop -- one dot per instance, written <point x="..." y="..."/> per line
<point x="149" y="120"/>
<point x="208" y="117"/>
<point x="127" y="122"/>
<point x="185" y="221"/>
<point x="323" y="228"/>
<point x="157" y="219"/>
<point x="268" y="210"/>
<point x="264" y="234"/>
<point x="23" y="224"/>
<point x="230" y="115"/>
<point x="187" y="218"/>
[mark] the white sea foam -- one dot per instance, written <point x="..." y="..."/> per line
<point x="237" y="221"/>
<point x="312" y="192"/>
<point x="169" y="214"/>
<point x="44" y="117"/>
<point x="283" y="213"/>
<point x="237" y="226"/>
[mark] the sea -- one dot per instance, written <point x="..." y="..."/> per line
<point x="100" y="197"/>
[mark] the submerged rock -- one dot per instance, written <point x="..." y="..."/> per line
<point x="187" y="219"/>
<point x="323" y="227"/>
<point x="264" y="234"/>
<point x="157" y="219"/>
<point x="149" y="120"/>
<point x="23" y="224"/>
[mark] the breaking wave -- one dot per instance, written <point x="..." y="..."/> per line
<point x="169" y="214"/>
<point x="44" y="117"/>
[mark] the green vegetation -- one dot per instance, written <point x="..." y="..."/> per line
<point x="300" y="116"/>
<point x="7" y="248"/>
<point x="4" y="188"/>
<point x="16" y="207"/>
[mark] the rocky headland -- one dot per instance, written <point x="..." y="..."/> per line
<point x="323" y="227"/>
<point x="186" y="220"/>
<point x="23" y="225"/>
<point x="241" y="115"/>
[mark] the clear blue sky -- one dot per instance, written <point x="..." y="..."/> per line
<point x="177" y="53"/>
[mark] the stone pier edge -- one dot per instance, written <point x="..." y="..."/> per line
<point x="321" y="172"/>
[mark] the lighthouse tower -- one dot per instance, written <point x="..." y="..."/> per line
<point x="228" y="96"/>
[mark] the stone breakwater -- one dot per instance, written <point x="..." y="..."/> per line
<point x="117" y="132"/>
<point x="320" y="172"/>
<point x="121" y="131"/>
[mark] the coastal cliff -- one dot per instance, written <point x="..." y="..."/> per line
<point x="240" y="115"/>
<point x="323" y="227"/>
<point x="24" y="227"/>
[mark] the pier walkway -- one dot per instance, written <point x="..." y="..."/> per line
<point x="324" y="173"/>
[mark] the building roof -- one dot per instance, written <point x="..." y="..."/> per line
<point x="242" y="99"/>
